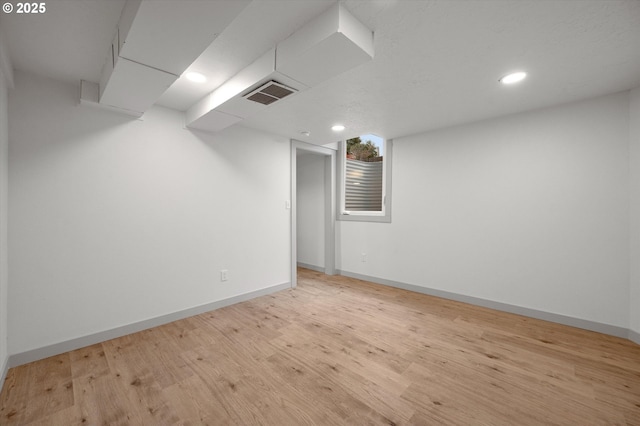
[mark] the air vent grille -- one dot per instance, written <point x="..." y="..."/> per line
<point x="269" y="92"/>
<point x="261" y="98"/>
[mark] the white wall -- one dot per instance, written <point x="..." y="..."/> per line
<point x="310" y="209"/>
<point x="528" y="210"/>
<point x="4" y="142"/>
<point x="115" y="220"/>
<point x="634" y="144"/>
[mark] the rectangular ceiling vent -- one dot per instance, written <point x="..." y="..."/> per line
<point x="270" y="92"/>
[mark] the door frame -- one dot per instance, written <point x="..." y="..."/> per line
<point x="329" y="206"/>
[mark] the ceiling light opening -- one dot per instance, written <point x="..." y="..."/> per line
<point x="513" y="77"/>
<point x="338" y="128"/>
<point x="196" y="77"/>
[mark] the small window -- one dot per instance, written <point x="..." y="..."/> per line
<point x="365" y="179"/>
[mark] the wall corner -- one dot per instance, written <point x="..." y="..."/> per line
<point x="634" y="214"/>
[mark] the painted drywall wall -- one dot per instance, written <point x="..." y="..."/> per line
<point x="310" y="209"/>
<point x="4" y="166"/>
<point x="634" y="213"/>
<point x="115" y="220"/>
<point x="528" y="210"/>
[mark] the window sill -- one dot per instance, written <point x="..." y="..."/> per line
<point x="365" y="217"/>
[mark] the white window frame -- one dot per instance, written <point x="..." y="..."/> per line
<point x="363" y="216"/>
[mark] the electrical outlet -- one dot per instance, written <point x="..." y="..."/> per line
<point x="364" y="257"/>
<point x="224" y="275"/>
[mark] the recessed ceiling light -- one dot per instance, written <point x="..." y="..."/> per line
<point x="305" y="133"/>
<point x="513" y="77"/>
<point x="196" y="77"/>
<point x="338" y="128"/>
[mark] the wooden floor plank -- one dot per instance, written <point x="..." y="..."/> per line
<point x="90" y="360"/>
<point x="336" y="351"/>
<point x="48" y="389"/>
<point x="15" y="394"/>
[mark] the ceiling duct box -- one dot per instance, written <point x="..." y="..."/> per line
<point x="147" y="55"/>
<point x="229" y="104"/>
<point x="225" y="105"/>
<point x="328" y="46"/>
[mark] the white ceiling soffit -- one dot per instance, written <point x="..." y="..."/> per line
<point x="329" y="45"/>
<point x="226" y="106"/>
<point x="155" y="42"/>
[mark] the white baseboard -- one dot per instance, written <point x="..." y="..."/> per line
<point x="4" y="371"/>
<point x="312" y="267"/>
<point x="73" y="344"/>
<point x="611" y="330"/>
<point x="102" y="336"/>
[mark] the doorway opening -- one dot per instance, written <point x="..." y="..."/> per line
<point x="313" y="210"/>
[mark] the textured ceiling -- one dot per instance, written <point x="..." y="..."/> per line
<point x="68" y="42"/>
<point x="436" y="62"/>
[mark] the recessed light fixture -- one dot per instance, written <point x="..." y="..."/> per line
<point x="513" y="77"/>
<point x="305" y="133"/>
<point x="196" y="77"/>
<point x="338" y="128"/>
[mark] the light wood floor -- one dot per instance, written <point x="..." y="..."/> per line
<point x="337" y="351"/>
